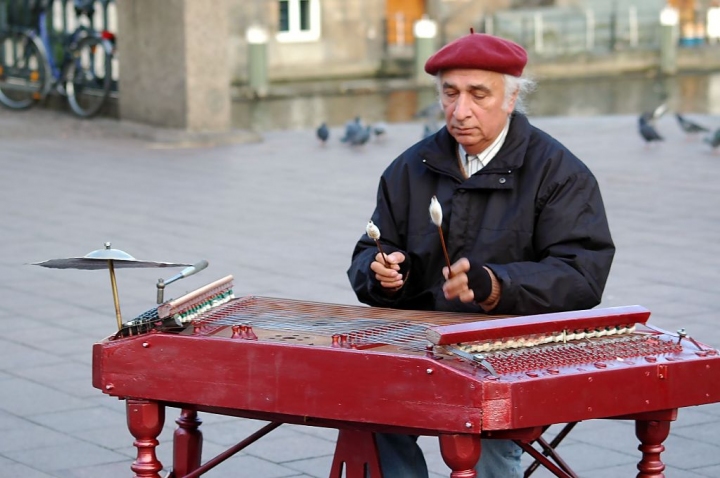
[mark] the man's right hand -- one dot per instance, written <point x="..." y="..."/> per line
<point x="390" y="277"/>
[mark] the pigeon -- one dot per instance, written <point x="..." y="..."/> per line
<point x="690" y="127"/>
<point x="659" y="111"/>
<point x="352" y="128"/>
<point x="427" y="131"/>
<point x="323" y="133"/>
<point x="713" y="140"/>
<point x="361" y="137"/>
<point x="647" y="130"/>
<point x="430" y="128"/>
<point x="432" y="111"/>
<point x="379" y="130"/>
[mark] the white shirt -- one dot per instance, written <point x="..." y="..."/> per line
<point x="472" y="163"/>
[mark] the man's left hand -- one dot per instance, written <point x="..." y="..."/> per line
<point x="470" y="282"/>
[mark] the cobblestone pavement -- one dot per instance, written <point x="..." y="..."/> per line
<point x="282" y="215"/>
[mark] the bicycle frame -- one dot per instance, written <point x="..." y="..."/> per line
<point x="77" y="65"/>
<point x="45" y="38"/>
<point x="58" y="70"/>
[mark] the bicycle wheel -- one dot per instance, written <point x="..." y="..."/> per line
<point x="89" y="76"/>
<point x="23" y="70"/>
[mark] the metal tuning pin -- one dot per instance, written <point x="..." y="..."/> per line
<point x="681" y="335"/>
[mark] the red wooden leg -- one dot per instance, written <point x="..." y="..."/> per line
<point x="145" y="421"/>
<point x="358" y="452"/>
<point x="652" y="433"/>
<point x="461" y="453"/>
<point x="187" y="443"/>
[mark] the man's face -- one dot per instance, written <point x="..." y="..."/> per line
<point x="473" y="104"/>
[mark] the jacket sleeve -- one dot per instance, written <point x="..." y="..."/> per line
<point x="392" y="238"/>
<point x="366" y="287"/>
<point x="575" y="248"/>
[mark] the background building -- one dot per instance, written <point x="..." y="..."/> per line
<point x="311" y="39"/>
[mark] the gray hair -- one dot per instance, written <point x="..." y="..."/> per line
<point x="522" y="85"/>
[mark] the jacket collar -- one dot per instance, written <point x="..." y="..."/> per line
<point x="440" y="153"/>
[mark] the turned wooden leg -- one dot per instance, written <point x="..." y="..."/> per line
<point x="145" y="421"/>
<point x="461" y="453"/>
<point x="187" y="443"/>
<point x="652" y="433"/>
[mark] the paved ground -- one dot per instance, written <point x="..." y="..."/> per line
<point x="282" y="216"/>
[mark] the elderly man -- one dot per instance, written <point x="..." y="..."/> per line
<point x="523" y="219"/>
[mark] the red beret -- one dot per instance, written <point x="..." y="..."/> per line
<point x="479" y="51"/>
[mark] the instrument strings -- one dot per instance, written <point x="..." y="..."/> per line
<point x="375" y="326"/>
<point x="360" y="330"/>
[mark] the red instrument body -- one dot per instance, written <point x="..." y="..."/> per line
<point x="367" y="386"/>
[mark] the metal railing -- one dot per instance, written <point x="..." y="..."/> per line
<point x="62" y="20"/>
<point x="62" y="16"/>
<point x="553" y="32"/>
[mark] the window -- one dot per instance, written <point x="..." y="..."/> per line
<point x="298" y="20"/>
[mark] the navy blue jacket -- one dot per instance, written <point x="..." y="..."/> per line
<point x="534" y="215"/>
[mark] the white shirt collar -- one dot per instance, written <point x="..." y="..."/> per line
<point x="475" y="163"/>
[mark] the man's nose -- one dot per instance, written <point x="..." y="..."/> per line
<point x="462" y="107"/>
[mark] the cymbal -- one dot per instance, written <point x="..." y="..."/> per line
<point x="99" y="260"/>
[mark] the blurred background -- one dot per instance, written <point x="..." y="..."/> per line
<point x="295" y="63"/>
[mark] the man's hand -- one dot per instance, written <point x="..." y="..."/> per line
<point x="470" y="282"/>
<point x="390" y="278"/>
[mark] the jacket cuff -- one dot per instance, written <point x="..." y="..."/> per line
<point x="496" y="291"/>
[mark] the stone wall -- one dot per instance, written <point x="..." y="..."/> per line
<point x="351" y="41"/>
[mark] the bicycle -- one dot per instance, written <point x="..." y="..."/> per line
<point x="28" y="67"/>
